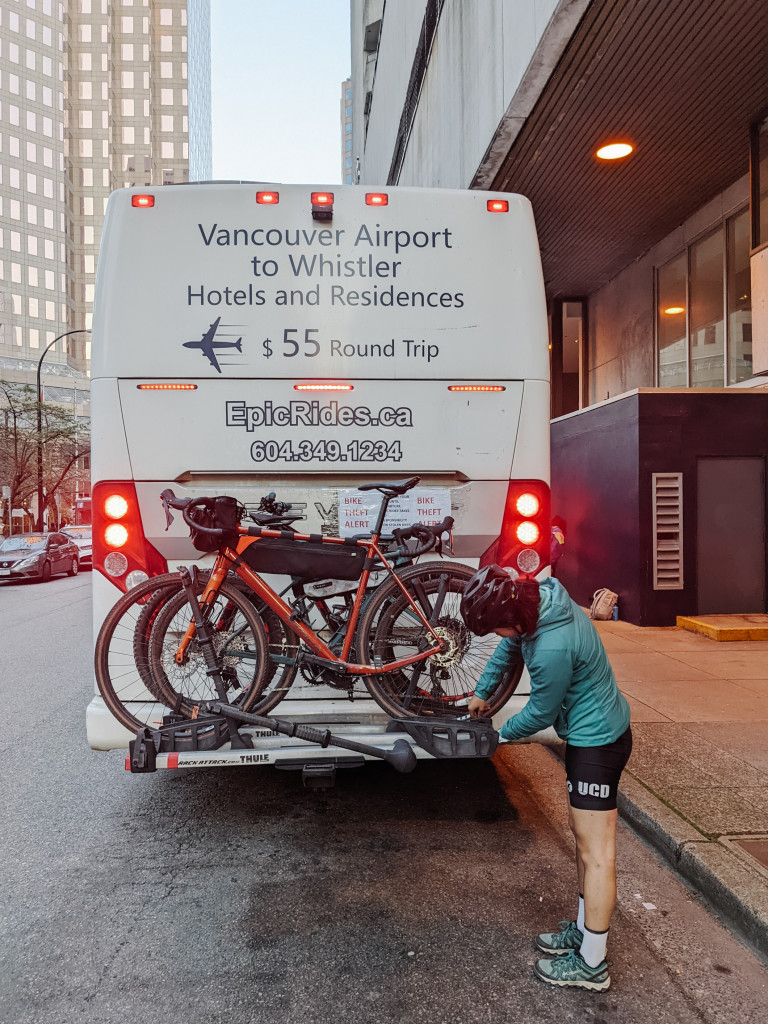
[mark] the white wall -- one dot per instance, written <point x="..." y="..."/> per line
<point x="482" y="53"/>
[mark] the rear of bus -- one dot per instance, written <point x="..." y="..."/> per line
<point x="251" y="338"/>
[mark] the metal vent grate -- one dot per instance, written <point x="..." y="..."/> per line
<point x="667" y="531"/>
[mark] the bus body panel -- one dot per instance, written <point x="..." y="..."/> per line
<point x="433" y="283"/>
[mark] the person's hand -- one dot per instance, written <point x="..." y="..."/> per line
<point x="478" y="707"/>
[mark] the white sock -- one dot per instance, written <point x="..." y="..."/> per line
<point x="593" y="947"/>
<point x="580" y="915"/>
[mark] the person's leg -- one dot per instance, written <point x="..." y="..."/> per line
<point x="595" y="833"/>
<point x="579" y="875"/>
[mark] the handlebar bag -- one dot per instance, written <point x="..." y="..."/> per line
<point x="305" y="559"/>
<point x="222" y="516"/>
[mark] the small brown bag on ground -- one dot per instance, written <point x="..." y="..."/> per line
<point x="602" y="604"/>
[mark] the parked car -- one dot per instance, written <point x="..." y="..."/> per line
<point x="38" y="556"/>
<point x="83" y="537"/>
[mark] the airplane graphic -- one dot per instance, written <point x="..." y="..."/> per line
<point x="207" y="345"/>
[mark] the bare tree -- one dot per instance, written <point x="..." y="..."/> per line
<point x="64" y="440"/>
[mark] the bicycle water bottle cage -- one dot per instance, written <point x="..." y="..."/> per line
<point x="447" y="737"/>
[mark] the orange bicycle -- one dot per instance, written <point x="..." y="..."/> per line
<point x="229" y="639"/>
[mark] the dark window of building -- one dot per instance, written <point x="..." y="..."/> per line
<point x="704" y="310"/>
<point x="759" y="182"/>
<point x="672" y="295"/>
<point x="739" y="299"/>
<point x="706" y="322"/>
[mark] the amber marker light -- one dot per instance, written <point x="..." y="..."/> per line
<point x="268" y="198"/>
<point x="614" y="151"/>
<point x="115" y="506"/>
<point x="323" y="387"/>
<point x="476" y="387"/>
<point x="143" y="202"/>
<point x="166" y="387"/>
<point x="674" y="310"/>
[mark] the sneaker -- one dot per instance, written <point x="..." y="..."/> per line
<point x="556" y="943"/>
<point x="570" y="970"/>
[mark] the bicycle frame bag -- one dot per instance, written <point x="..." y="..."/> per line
<point x="305" y="559"/>
<point x="223" y="516"/>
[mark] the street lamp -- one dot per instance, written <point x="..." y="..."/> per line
<point x="82" y="330"/>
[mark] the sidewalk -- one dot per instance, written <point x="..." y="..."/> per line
<point x="696" y="786"/>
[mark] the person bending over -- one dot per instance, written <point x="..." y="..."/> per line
<point x="574" y="689"/>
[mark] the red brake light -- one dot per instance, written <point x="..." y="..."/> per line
<point x="268" y="197"/>
<point x="376" y="199"/>
<point x="115" y="506"/>
<point x="523" y="542"/>
<point x="498" y="205"/>
<point x="323" y="387"/>
<point x="143" y="202"/>
<point x="527" y="504"/>
<point x="116" y="535"/>
<point x="322" y="198"/>
<point x="167" y="387"/>
<point x="121" y="552"/>
<point x="476" y="387"/>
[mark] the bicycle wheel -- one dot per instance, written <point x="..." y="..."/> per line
<point x="240" y="644"/>
<point x="123" y="678"/>
<point x="282" y="642"/>
<point x="390" y="630"/>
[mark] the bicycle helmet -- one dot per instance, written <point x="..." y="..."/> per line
<point x="488" y="599"/>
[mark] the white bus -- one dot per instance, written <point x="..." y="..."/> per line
<point x="251" y="338"/>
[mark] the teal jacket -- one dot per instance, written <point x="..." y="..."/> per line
<point x="572" y="683"/>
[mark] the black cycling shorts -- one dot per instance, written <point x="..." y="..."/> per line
<point x="593" y="773"/>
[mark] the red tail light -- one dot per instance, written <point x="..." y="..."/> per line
<point x="523" y="542"/>
<point x="120" y="548"/>
<point x="498" y="206"/>
<point x="143" y="202"/>
<point x="269" y="198"/>
<point x="376" y="199"/>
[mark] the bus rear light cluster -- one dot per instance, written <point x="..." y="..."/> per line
<point x="121" y="552"/>
<point x="523" y="543"/>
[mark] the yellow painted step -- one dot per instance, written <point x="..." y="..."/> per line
<point x="726" y="627"/>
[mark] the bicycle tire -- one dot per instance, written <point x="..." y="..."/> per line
<point x="390" y="630"/>
<point x="121" y="683"/>
<point x="241" y="645"/>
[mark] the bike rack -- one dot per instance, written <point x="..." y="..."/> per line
<point x="440" y="737"/>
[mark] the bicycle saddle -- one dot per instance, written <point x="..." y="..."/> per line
<point x="392" y="486"/>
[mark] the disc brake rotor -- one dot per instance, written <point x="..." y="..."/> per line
<point x="456" y="639"/>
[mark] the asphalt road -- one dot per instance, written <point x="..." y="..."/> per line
<point x="238" y="896"/>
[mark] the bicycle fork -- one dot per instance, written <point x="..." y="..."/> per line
<point x="212" y="669"/>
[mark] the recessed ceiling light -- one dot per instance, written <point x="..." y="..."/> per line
<point x="614" y="151"/>
<point x="673" y="310"/>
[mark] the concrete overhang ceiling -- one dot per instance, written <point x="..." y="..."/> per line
<point x="682" y="80"/>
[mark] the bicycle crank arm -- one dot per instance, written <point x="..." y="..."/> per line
<point x="401" y="757"/>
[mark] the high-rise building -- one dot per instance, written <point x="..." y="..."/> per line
<point x="96" y="95"/>
<point x="345" y="111"/>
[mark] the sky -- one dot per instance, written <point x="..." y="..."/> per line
<point x="276" y="73"/>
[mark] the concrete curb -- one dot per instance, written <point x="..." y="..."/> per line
<point x="727" y="881"/>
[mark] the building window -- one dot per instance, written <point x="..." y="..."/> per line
<point x="759" y="183"/>
<point x="704" y="311"/>
<point x="739" y="299"/>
